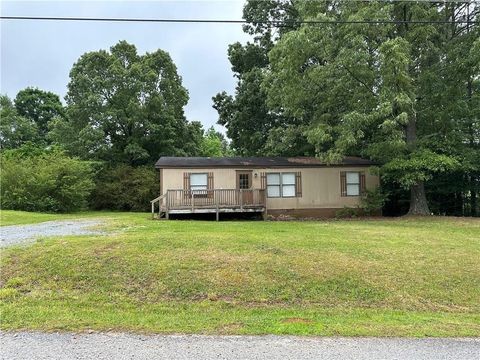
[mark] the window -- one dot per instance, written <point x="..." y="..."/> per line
<point x="273" y="185"/>
<point x="288" y="185"/>
<point x="281" y="185"/>
<point x="353" y="183"/>
<point x="244" y="181"/>
<point x="198" y="182"/>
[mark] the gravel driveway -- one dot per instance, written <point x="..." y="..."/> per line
<point x="98" y="346"/>
<point x="22" y="234"/>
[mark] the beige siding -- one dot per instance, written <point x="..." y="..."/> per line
<point x="320" y="186"/>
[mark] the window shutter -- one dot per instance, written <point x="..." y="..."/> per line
<point x="263" y="180"/>
<point x="186" y="184"/>
<point x="343" y="183"/>
<point x="210" y="181"/>
<point x="298" y="184"/>
<point x="362" y="182"/>
<point x="186" y="181"/>
<point x="210" y="185"/>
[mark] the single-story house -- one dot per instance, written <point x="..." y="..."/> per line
<point x="295" y="186"/>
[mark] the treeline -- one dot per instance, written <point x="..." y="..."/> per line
<point x="402" y="93"/>
<point x="123" y="110"/>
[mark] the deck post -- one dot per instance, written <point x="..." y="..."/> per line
<point x="241" y="199"/>
<point x="153" y="210"/>
<point x="217" y="214"/>
<point x="167" y="204"/>
<point x="193" y="202"/>
<point x="265" y="212"/>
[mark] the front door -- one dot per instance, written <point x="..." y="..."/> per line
<point x="244" y="182"/>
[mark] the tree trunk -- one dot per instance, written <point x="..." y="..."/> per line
<point x="418" y="200"/>
<point x="473" y="196"/>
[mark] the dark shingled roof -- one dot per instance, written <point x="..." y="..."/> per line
<point x="254" y="162"/>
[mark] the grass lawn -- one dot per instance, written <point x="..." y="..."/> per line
<point x="11" y="217"/>
<point x="403" y="277"/>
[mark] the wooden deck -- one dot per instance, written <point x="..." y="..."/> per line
<point x="209" y="201"/>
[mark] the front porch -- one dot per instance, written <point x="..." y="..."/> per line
<point x="209" y="201"/>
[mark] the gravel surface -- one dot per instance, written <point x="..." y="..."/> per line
<point x="24" y="234"/>
<point x="98" y="346"/>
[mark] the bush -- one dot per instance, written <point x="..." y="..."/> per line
<point x="347" y="212"/>
<point x="372" y="201"/>
<point x="47" y="181"/>
<point x="125" y="188"/>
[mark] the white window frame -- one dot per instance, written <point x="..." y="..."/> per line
<point x="199" y="189"/>
<point x="281" y="185"/>
<point x="352" y="183"/>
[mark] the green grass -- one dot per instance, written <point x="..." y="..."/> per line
<point x="405" y="277"/>
<point x="11" y="217"/>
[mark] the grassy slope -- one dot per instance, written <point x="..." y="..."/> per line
<point x="409" y="277"/>
<point x="11" y="217"/>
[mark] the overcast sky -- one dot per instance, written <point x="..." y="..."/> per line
<point x="41" y="53"/>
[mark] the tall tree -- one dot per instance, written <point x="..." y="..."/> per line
<point x="39" y="106"/>
<point x="253" y="127"/>
<point x="15" y="130"/>
<point x="126" y="107"/>
<point x="379" y="91"/>
<point x="214" y="144"/>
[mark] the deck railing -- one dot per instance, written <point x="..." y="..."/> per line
<point x="215" y="198"/>
<point x="218" y="199"/>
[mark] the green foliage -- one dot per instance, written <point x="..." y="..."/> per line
<point x="15" y="130"/>
<point x="39" y="106"/>
<point x="419" y="166"/>
<point x="254" y="128"/>
<point x="372" y="201"/>
<point x="214" y="144"/>
<point x="126" y="107"/>
<point x="405" y="95"/>
<point x="44" y="181"/>
<point x="123" y="187"/>
<point x="347" y="212"/>
<point x="245" y="116"/>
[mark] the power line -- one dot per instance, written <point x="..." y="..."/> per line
<point x="226" y="21"/>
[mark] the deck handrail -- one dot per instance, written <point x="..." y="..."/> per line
<point x="218" y="199"/>
<point x="154" y="201"/>
<point x="158" y="198"/>
<point x="180" y="198"/>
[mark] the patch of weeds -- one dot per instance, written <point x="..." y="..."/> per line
<point x="269" y="249"/>
<point x="351" y="289"/>
<point x="15" y="282"/>
<point x="8" y="293"/>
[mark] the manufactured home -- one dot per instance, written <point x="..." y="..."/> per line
<point x="271" y="186"/>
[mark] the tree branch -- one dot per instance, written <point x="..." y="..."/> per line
<point x="359" y="80"/>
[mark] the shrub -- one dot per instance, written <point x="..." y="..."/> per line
<point x="372" y="201"/>
<point x="125" y="188"/>
<point x="41" y="180"/>
<point x="347" y="212"/>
